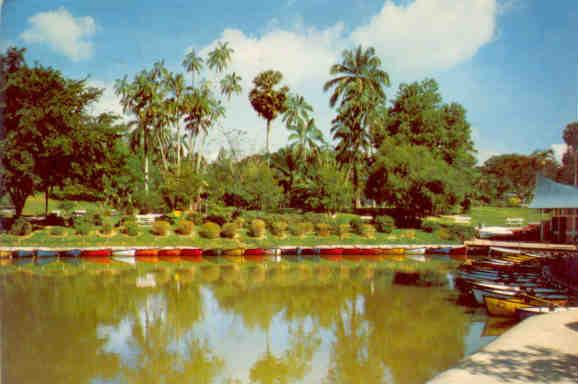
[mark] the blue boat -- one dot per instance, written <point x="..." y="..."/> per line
<point x="23" y="253"/>
<point x="46" y="253"/>
<point x="71" y="253"/>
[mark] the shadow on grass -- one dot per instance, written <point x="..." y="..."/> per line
<point x="535" y="364"/>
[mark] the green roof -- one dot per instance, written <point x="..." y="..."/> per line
<point x="550" y="194"/>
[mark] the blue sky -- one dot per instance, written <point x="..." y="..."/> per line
<point x="511" y="63"/>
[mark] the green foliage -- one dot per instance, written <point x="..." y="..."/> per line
<point x="279" y="228"/>
<point x="460" y="232"/>
<point x="66" y="207"/>
<point x="161" y="228"/>
<point x="514" y="201"/>
<point x="181" y="186"/>
<point x="328" y="188"/>
<point x="184" y="227"/>
<point x="210" y="230"/>
<point x="343" y="230"/>
<point x="21" y="227"/>
<point x="57" y="231"/>
<point x="106" y="228"/>
<point x="230" y="230"/>
<point x="220" y="214"/>
<point x="147" y="202"/>
<point x="257" y="228"/>
<point x="430" y="224"/>
<point x="131" y="228"/>
<point x="260" y="188"/>
<point x="443" y="234"/>
<point x="82" y="225"/>
<point x="384" y="224"/>
<point x="300" y="229"/>
<point x="323" y="229"/>
<point x="367" y="230"/>
<point x="356" y="224"/>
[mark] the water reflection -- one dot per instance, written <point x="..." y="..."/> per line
<point x="221" y="322"/>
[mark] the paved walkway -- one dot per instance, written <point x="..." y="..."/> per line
<point x="541" y="349"/>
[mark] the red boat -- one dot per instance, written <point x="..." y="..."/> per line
<point x="191" y="252"/>
<point x="307" y="252"/>
<point x="368" y="251"/>
<point x="149" y="252"/>
<point x="459" y="251"/>
<point x="352" y="251"/>
<point x="170" y="252"/>
<point x="96" y="253"/>
<point x="331" y="251"/>
<point x="254" y="252"/>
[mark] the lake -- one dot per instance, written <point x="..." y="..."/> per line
<point x="234" y="321"/>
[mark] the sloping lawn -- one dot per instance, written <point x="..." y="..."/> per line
<point x="497" y="215"/>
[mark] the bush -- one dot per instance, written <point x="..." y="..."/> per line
<point x="367" y="230"/>
<point x="342" y="230"/>
<point x="210" y="230"/>
<point x="131" y="228"/>
<point x="279" y="228"/>
<point x="443" y="234"/>
<point x="106" y="228"/>
<point x="195" y="217"/>
<point x="297" y="229"/>
<point x="430" y="224"/>
<point x="184" y="227"/>
<point x="461" y="232"/>
<point x="323" y="229"/>
<point x="356" y="224"/>
<point x="257" y="228"/>
<point x="384" y="224"/>
<point x="219" y="214"/>
<point x="66" y="206"/>
<point x="230" y="230"/>
<point x="21" y="227"/>
<point x="161" y="228"/>
<point x="56" y="231"/>
<point x="514" y="201"/>
<point x="82" y="225"/>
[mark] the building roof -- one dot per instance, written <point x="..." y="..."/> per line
<point x="549" y="194"/>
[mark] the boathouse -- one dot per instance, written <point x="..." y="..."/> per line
<point x="560" y="203"/>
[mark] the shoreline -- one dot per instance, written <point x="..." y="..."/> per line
<point x="540" y="349"/>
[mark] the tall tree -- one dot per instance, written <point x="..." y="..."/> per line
<point x="358" y="89"/>
<point x="569" y="170"/>
<point x="267" y="101"/>
<point x="304" y="135"/>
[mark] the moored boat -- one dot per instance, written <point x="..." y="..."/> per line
<point x="212" y="252"/>
<point x="96" y="253"/>
<point x="255" y="252"/>
<point x="169" y="252"/>
<point x="188" y="252"/>
<point x="289" y="251"/>
<point x="415" y="251"/>
<point x="5" y="254"/>
<point x="392" y="251"/>
<point x="123" y="252"/>
<point x="524" y="313"/>
<point x="330" y="251"/>
<point x="23" y="253"/>
<point x="508" y="307"/>
<point x="234" y="252"/>
<point x="40" y="253"/>
<point x="70" y="253"/>
<point x="146" y="252"/>
<point x="479" y="295"/>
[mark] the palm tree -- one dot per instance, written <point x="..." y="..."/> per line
<point x="220" y="57"/>
<point x="358" y="89"/>
<point x="193" y="64"/>
<point x="267" y="101"/>
<point x="230" y="84"/>
<point x="175" y="106"/>
<point x="305" y="139"/>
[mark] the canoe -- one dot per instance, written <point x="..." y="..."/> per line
<point x="479" y="295"/>
<point x="124" y="259"/>
<point x="71" y="253"/>
<point x="369" y="251"/>
<point x="350" y="251"/>
<point x="169" y="252"/>
<point x="23" y="253"/>
<point x="415" y="251"/>
<point x="147" y="252"/>
<point x="46" y="253"/>
<point x="330" y="251"/>
<point x="191" y="252"/>
<point x="289" y="251"/>
<point x="234" y="252"/>
<point x="5" y="254"/>
<point x="273" y="251"/>
<point x="212" y="252"/>
<point x="308" y="251"/>
<point x="392" y="251"/>
<point x="524" y="313"/>
<point x="255" y="252"/>
<point x="96" y="253"/>
<point x="123" y="253"/>
<point x="458" y="251"/>
<point x="508" y="307"/>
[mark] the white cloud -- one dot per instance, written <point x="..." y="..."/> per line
<point x="108" y="102"/>
<point x="559" y="150"/>
<point x="428" y="34"/>
<point x="62" y="32"/>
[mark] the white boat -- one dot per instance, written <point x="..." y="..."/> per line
<point x="486" y="232"/>
<point x="480" y="293"/>
<point x="123" y="252"/>
<point x="415" y="251"/>
<point x="524" y="313"/>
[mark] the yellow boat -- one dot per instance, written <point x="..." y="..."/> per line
<point x="507" y="307"/>
<point x="234" y="252"/>
<point x="5" y="254"/>
<point x="392" y="251"/>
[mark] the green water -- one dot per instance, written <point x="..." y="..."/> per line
<point x="224" y="322"/>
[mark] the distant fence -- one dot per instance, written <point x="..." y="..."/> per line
<point x="565" y="270"/>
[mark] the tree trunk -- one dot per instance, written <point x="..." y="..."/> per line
<point x="18" y="198"/>
<point x="268" y="136"/>
<point x="146" y="162"/>
<point x="178" y="149"/>
<point x="46" y="193"/>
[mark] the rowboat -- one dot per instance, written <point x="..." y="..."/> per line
<point x="392" y="251"/>
<point x="289" y="251"/>
<point x="308" y="251"/>
<point x="415" y="251"/>
<point x="123" y="253"/>
<point x="23" y="253"/>
<point x="5" y="254"/>
<point x="273" y="251"/>
<point x="70" y="253"/>
<point x="147" y="252"/>
<point x="212" y="252"/>
<point x="330" y="251"/>
<point x="255" y="252"/>
<point x="96" y="253"/>
<point x="479" y="295"/>
<point x="46" y="253"/>
<point x="524" y="313"/>
<point x="188" y="252"/>
<point x="508" y="307"/>
<point x="234" y="252"/>
<point x="171" y="252"/>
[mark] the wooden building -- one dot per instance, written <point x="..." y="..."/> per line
<point x="559" y="204"/>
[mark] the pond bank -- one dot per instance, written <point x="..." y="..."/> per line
<point x="541" y="349"/>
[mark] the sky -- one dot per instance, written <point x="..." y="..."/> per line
<point x="511" y="63"/>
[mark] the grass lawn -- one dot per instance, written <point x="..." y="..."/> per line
<point x="35" y="205"/>
<point x="497" y="215"/>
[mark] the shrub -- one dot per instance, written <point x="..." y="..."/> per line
<point x="356" y="224"/>
<point x="161" y="228"/>
<point x="257" y="228"/>
<point x="461" y="232"/>
<point x="308" y="227"/>
<point x="430" y="224"/>
<point x="384" y="224"/>
<point x="514" y="201"/>
<point x="279" y="228"/>
<point x="131" y="228"/>
<point x="106" y="228"/>
<point x="184" y="227"/>
<point x="95" y="218"/>
<point x="443" y="234"/>
<point x="66" y="206"/>
<point x="56" y="231"/>
<point x="342" y="230"/>
<point x="195" y="217"/>
<point x="219" y="214"/>
<point x="297" y="229"/>
<point x="323" y="229"/>
<point x="230" y="230"/>
<point x="367" y="230"/>
<point x="82" y="225"/>
<point x="210" y="230"/>
<point x="21" y="227"/>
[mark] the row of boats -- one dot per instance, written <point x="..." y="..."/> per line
<point x="511" y="283"/>
<point x="195" y="252"/>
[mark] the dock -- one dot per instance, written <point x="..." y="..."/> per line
<point x="541" y="349"/>
<point x="520" y="245"/>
